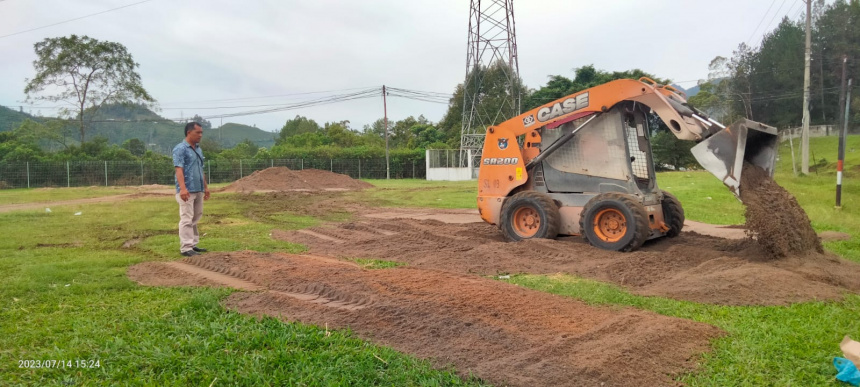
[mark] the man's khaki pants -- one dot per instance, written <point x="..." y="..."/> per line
<point x="190" y="212"/>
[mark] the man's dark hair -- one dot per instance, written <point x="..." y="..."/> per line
<point x="190" y="126"/>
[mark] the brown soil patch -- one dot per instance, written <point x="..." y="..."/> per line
<point x="773" y="216"/>
<point x="690" y="267"/>
<point x="829" y="236"/>
<point x="285" y="179"/>
<point x="500" y="332"/>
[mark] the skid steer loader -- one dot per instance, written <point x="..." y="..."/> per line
<point x="582" y="165"/>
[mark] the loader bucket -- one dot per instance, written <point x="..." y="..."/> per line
<point x="725" y="152"/>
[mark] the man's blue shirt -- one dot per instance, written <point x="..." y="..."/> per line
<point x="191" y="161"/>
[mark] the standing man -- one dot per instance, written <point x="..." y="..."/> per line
<point x="191" y="188"/>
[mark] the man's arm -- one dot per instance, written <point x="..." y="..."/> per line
<point x="205" y="188"/>
<point x="180" y="178"/>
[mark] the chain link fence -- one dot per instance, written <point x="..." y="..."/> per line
<point x="120" y="173"/>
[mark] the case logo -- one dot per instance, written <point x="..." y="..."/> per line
<point x="503" y="143"/>
<point x="558" y="109"/>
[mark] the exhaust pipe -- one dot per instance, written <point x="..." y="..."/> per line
<point x="725" y="152"/>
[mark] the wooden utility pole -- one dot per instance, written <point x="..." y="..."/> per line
<point x="804" y="137"/>
<point x="385" y="119"/>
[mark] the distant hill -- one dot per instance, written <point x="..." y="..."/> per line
<point x="231" y="134"/>
<point x="689" y="92"/>
<point x="119" y="123"/>
<point x="11" y="119"/>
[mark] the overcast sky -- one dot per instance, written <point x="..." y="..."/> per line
<point x="192" y="52"/>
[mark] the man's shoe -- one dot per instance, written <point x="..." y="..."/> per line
<point x="199" y="249"/>
<point x="189" y="253"/>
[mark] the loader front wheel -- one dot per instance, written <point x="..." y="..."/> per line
<point x="673" y="214"/>
<point x="528" y="215"/>
<point x="614" y="221"/>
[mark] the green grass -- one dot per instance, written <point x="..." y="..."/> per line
<point x="420" y="193"/>
<point x="183" y="336"/>
<point x="372" y="264"/>
<point x="64" y="295"/>
<point x="700" y="194"/>
<point x="773" y="346"/>
<point x="36" y="195"/>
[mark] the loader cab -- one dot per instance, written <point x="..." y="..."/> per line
<point x="610" y="154"/>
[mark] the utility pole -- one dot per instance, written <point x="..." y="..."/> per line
<point x="842" y="136"/>
<point x="385" y="111"/>
<point x="842" y="91"/>
<point x="804" y="138"/>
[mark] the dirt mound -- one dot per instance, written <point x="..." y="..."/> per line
<point x="773" y="216"/>
<point x="690" y="267"/>
<point x="285" y="179"/>
<point x="504" y="334"/>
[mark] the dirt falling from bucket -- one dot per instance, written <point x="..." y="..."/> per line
<point x="773" y="216"/>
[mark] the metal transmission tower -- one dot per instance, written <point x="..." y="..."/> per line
<point x="492" y="43"/>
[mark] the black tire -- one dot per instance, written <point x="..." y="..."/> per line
<point x="673" y="214"/>
<point x="628" y="214"/>
<point x="538" y="217"/>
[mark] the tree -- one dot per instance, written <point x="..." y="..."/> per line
<point x="135" y="146"/>
<point x="204" y="123"/>
<point x="492" y="100"/>
<point x="86" y="73"/>
<point x="668" y="150"/>
<point x="297" y="126"/>
<point x="585" y="77"/>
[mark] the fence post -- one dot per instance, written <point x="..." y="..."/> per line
<point x="141" y="172"/>
<point x="209" y="170"/>
<point x="359" y="168"/>
<point x="105" y="173"/>
<point x="68" y="176"/>
<point x="413" y="168"/>
<point x="273" y="162"/>
<point x="28" y="174"/>
<point x="241" y="175"/>
<point x="330" y="165"/>
<point x="303" y="163"/>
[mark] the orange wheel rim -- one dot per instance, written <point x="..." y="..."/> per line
<point x="526" y="222"/>
<point x="610" y="225"/>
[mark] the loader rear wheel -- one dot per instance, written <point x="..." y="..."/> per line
<point x="673" y="214"/>
<point x="615" y="221"/>
<point x="528" y="215"/>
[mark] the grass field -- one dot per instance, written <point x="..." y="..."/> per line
<point x="64" y="295"/>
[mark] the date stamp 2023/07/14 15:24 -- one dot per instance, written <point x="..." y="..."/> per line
<point x="54" y="363"/>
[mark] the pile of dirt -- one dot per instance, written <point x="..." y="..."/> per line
<point x="690" y="267"/>
<point x="502" y="333"/>
<point x="285" y="179"/>
<point x="773" y="216"/>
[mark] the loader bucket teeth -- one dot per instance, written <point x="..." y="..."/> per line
<point x="725" y="152"/>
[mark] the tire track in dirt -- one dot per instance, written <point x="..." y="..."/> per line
<point x="689" y="267"/>
<point x="503" y="333"/>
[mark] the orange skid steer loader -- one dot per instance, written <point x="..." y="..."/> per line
<point x="582" y="165"/>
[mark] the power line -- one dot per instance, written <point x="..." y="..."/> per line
<point x="272" y="96"/>
<point x="760" y="21"/>
<point x="775" y="15"/>
<point x="71" y="20"/>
